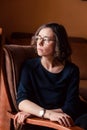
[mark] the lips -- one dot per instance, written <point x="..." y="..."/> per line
<point x="39" y="49"/>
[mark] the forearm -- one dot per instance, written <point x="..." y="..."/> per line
<point x="30" y="107"/>
<point x="57" y="110"/>
<point x="34" y="109"/>
<point x="53" y="114"/>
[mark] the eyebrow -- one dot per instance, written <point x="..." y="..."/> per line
<point x="46" y="37"/>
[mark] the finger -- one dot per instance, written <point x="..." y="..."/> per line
<point x="68" y="121"/>
<point x="15" y="121"/>
<point x="60" y="121"/>
<point x="21" y="118"/>
<point x="63" y="122"/>
<point x="71" y="121"/>
<point x="19" y="126"/>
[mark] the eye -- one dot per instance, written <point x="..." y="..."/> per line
<point x="45" y="39"/>
<point x="37" y="38"/>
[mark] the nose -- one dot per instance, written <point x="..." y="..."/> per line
<point x="40" y="42"/>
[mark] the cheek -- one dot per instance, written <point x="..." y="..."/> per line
<point x="49" y="50"/>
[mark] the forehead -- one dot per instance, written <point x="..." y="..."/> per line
<point x="46" y="32"/>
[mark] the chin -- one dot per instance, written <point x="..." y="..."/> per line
<point x="39" y="54"/>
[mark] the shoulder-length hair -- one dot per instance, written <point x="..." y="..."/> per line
<point x="61" y="38"/>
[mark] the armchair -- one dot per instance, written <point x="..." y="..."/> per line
<point x="13" y="58"/>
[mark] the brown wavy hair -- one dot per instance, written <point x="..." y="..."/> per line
<point x="63" y="45"/>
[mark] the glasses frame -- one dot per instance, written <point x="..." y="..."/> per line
<point x="45" y="40"/>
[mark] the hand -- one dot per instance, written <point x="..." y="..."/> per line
<point x="61" y="118"/>
<point x="19" y="118"/>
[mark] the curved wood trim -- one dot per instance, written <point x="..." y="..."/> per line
<point x="45" y="122"/>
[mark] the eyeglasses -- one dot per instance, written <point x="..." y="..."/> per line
<point x="45" y="39"/>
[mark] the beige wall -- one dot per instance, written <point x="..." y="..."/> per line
<point x="28" y="15"/>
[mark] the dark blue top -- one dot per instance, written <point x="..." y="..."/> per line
<point x="50" y="90"/>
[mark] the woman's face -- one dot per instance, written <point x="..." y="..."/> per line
<point x="46" y="42"/>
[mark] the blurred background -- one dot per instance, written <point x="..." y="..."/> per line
<point x="28" y="15"/>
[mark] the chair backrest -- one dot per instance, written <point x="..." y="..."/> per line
<point x="14" y="57"/>
<point x="79" y="53"/>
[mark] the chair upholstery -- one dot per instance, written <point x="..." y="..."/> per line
<point x="79" y="57"/>
<point x="19" y="38"/>
<point x="13" y="59"/>
<point x="79" y="53"/>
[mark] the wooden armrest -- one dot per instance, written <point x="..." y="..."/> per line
<point x="44" y="122"/>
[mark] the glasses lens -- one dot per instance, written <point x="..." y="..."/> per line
<point x="37" y="38"/>
<point x="45" y="40"/>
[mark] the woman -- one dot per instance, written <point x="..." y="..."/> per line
<point x="49" y="84"/>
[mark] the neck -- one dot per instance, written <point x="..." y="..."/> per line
<point x="52" y="65"/>
<point x="47" y="61"/>
<point x="50" y="62"/>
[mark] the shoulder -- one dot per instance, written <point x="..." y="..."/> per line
<point x="31" y="63"/>
<point x="72" y="67"/>
<point x="71" y="71"/>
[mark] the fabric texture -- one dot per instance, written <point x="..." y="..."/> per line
<point x="49" y="90"/>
